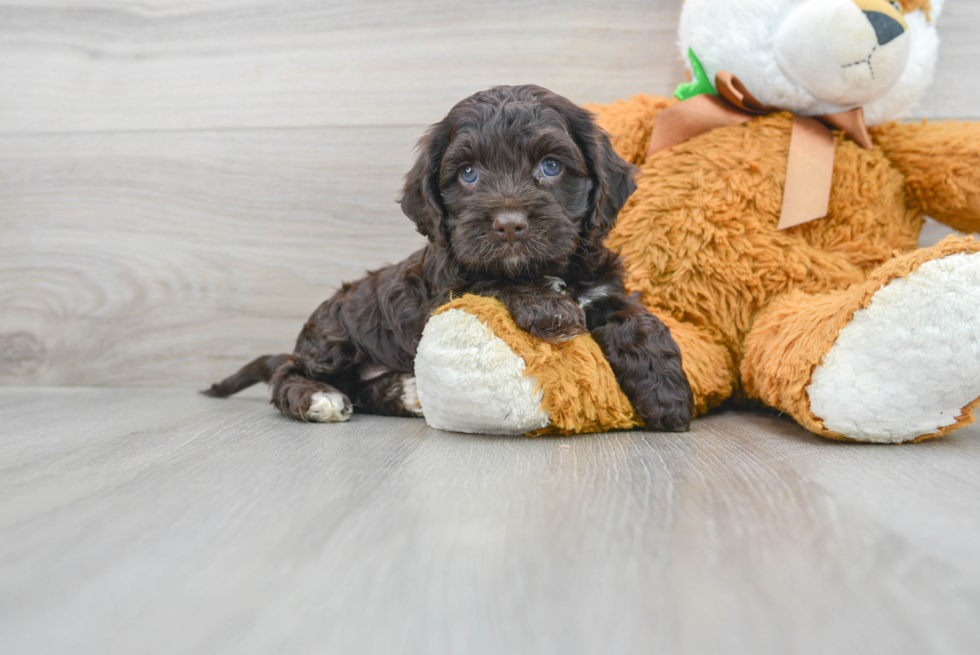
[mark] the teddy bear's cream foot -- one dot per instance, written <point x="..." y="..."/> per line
<point x="895" y="359"/>
<point x="469" y="380"/>
<point x="907" y="365"/>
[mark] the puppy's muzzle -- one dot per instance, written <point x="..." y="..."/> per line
<point x="509" y="225"/>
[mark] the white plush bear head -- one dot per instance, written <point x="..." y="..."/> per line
<point x="815" y="57"/>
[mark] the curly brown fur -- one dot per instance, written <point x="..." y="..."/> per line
<point x="515" y="190"/>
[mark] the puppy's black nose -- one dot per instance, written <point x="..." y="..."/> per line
<point x="509" y="225"/>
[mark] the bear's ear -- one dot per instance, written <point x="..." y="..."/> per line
<point x="610" y="176"/>
<point x="421" y="198"/>
<point x="932" y="8"/>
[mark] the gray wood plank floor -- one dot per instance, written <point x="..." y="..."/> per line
<point x="157" y="521"/>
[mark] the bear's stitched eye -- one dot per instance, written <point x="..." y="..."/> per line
<point x="469" y="175"/>
<point x="550" y="167"/>
<point x="897" y="6"/>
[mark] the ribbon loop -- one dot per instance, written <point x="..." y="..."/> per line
<point x="731" y="89"/>
<point x="810" y="167"/>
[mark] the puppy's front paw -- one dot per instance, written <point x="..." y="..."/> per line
<point x="663" y="407"/>
<point x="670" y="418"/>
<point x="332" y="407"/>
<point x="553" y="319"/>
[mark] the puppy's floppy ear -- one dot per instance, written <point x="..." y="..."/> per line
<point x="421" y="198"/>
<point x="611" y="177"/>
<point x="616" y="185"/>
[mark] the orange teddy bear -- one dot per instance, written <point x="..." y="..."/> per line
<point x="782" y="254"/>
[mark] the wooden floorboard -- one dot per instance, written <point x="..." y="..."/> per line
<point x="158" y="521"/>
<point x="173" y="258"/>
<point x="122" y="65"/>
<point x="111" y="65"/>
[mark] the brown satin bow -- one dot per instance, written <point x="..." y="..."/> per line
<point x="810" y="169"/>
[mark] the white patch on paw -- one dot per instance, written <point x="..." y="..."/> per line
<point x="410" y="395"/>
<point x="597" y="293"/>
<point x="908" y="364"/>
<point x="328" y="408"/>
<point x="557" y="284"/>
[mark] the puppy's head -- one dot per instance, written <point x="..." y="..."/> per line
<point x="513" y="179"/>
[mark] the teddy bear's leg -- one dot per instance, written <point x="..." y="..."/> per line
<point x="892" y="359"/>
<point x="707" y="364"/>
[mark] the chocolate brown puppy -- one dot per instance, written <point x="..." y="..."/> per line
<point x="515" y="189"/>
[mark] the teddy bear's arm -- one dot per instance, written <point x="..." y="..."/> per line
<point x="630" y="123"/>
<point x="941" y="164"/>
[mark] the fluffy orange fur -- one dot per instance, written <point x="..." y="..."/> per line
<point x="701" y="244"/>
<point x="912" y="5"/>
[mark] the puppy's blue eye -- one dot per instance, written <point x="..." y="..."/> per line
<point x="469" y="175"/>
<point x="550" y="168"/>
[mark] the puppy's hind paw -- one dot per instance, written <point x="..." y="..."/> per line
<point x="332" y="407"/>
<point x="410" y="395"/>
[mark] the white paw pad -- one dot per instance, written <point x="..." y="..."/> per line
<point x="328" y="408"/>
<point x="410" y="395"/>
<point x="906" y="365"/>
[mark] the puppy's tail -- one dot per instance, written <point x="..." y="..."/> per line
<point x="260" y="370"/>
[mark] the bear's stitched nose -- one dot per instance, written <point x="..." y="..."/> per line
<point x="886" y="28"/>
<point x="509" y="225"/>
